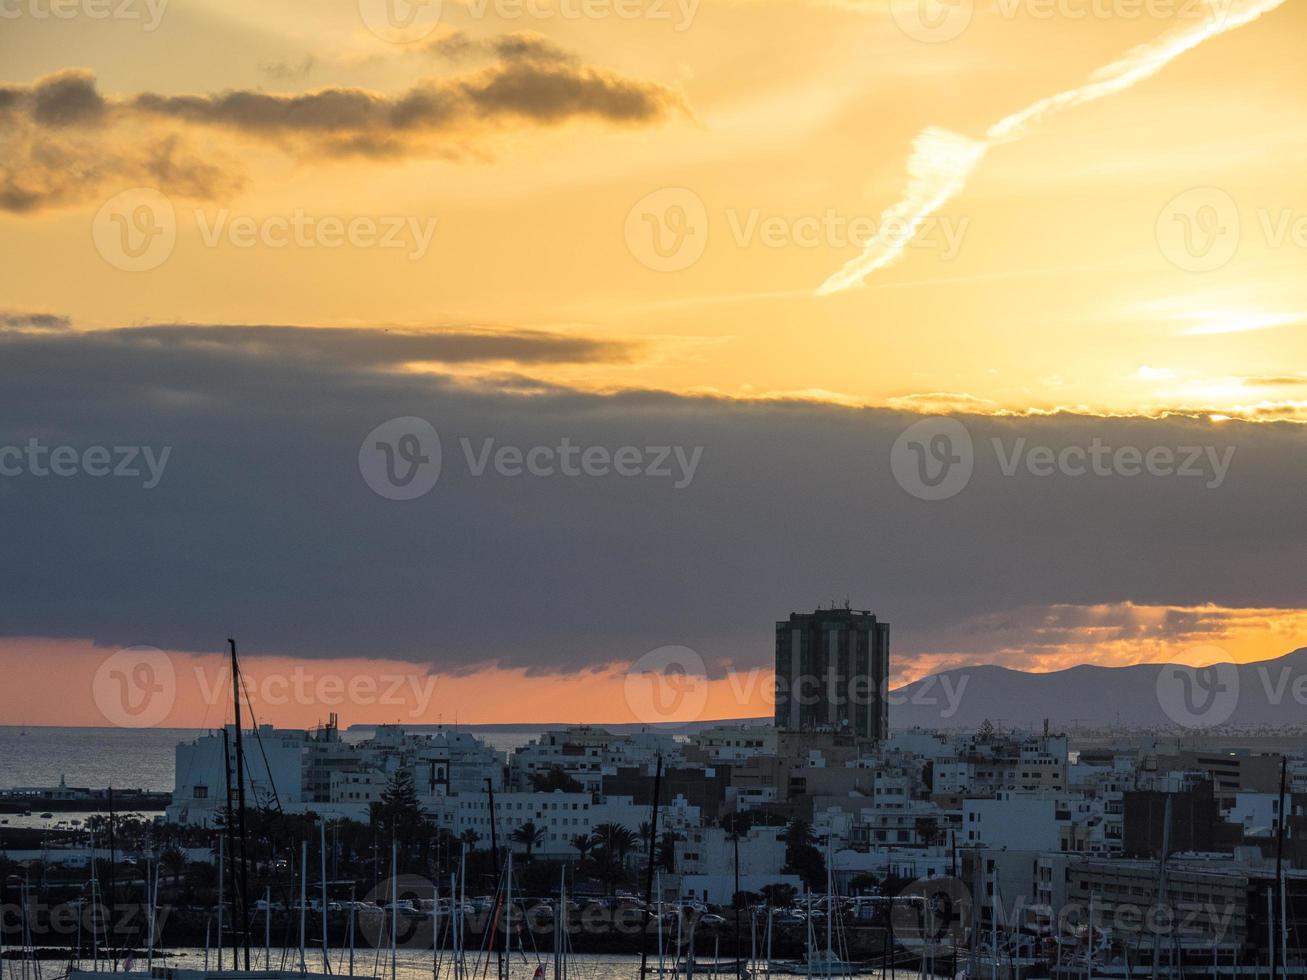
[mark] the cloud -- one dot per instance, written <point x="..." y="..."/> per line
<point x="942" y="402"/>
<point x="517" y="46"/>
<point x="263" y="525"/>
<point x="938" y="169"/>
<point x="31" y="320"/>
<point x="284" y="71"/>
<point x="355" y="120"/>
<point x="367" y="348"/>
<point x="1216" y="322"/>
<point x="61" y="140"/>
<point x="942" y="161"/>
<point x="1112" y="634"/>
<point x="1276" y="381"/>
<point x="67" y="98"/>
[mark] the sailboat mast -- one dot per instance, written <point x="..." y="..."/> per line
<point x="267" y="928"/>
<point x="830" y="899"/>
<point x="113" y="877"/>
<point x="735" y="842"/>
<point x="658" y="912"/>
<point x="322" y="864"/>
<point x="494" y="860"/>
<point x="461" y="962"/>
<point x="1089" y="964"/>
<point x="230" y="833"/>
<point x="649" y="875"/>
<point x="394" y="906"/>
<point x="1277" y="965"/>
<point x="558" y="926"/>
<point x="304" y="899"/>
<point x="508" y="907"/>
<point x="1162" y="903"/>
<point x="240" y="802"/>
<point x="993" y="925"/>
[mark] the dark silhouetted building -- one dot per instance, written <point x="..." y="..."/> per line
<point x="1196" y="823"/>
<point x="832" y="673"/>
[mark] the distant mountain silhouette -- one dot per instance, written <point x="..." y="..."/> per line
<point x="1263" y="693"/>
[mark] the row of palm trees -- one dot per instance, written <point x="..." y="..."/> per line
<point x="609" y="838"/>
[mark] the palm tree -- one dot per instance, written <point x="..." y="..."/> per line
<point x="927" y="830"/>
<point x="530" y="836"/>
<point x="616" y="839"/>
<point x="469" y="838"/>
<point x="174" y="859"/>
<point x="798" y="833"/>
<point x="667" y="851"/>
<point x="611" y="842"/>
<point x="583" y="843"/>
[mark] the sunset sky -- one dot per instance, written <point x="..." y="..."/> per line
<point x="777" y="230"/>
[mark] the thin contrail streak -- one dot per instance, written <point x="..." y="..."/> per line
<point x="941" y="161"/>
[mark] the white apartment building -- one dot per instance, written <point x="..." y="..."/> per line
<point x="735" y="743"/>
<point x="274" y="770"/>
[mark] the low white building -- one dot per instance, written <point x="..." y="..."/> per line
<point x="1013" y="821"/>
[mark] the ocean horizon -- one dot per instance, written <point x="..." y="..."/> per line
<point x="137" y="758"/>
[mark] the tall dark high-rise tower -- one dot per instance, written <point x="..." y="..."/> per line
<point x="832" y="673"/>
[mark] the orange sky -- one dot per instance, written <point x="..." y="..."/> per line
<point x="1111" y="221"/>
<point x="1056" y="275"/>
<point x="191" y="691"/>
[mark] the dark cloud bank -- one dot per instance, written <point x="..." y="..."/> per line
<point x="263" y="526"/>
